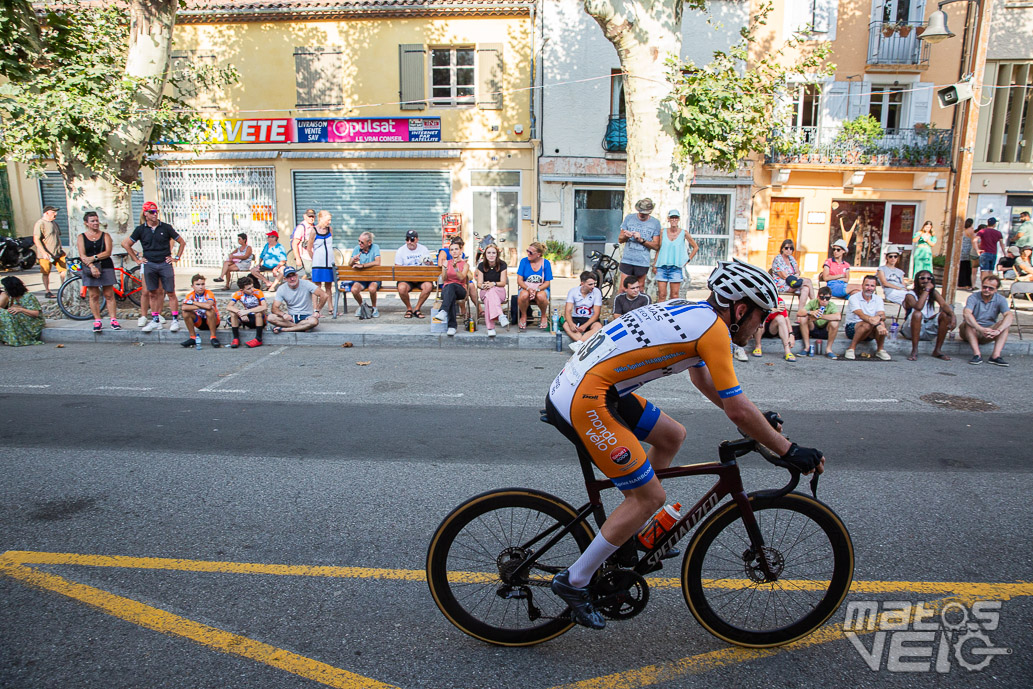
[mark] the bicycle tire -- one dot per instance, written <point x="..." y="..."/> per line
<point x="466" y="554"/>
<point x="716" y="583"/>
<point x="73" y="303"/>
<point x="132" y="283"/>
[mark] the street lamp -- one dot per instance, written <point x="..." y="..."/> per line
<point x="935" y="31"/>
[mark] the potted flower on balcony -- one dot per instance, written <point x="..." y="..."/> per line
<point x="888" y="29"/>
<point x="862" y="135"/>
<point x="904" y="30"/>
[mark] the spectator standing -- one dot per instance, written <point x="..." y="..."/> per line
<point x="924" y="240"/>
<point x="639" y="234"/>
<point x="299" y="242"/>
<point x="581" y="312"/>
<point x="1024" y="232"/>
<point x="631" y="298"/>
<point x="990" y="241"/>
<point x="46" y="237"/>
<point x="303" y="301"/>
<point x="987" y="318"/>
<point x="145" y="300"/>
<point x="788" y="278"/>
<point x="201" y="312"/>
<point x="240" y="259"/>
<point x="21" y="316"/>
<point x="365" y="255"/>
<point x="865" y="319"/>
<point x="820" y="320"/>
<point x="967" y="251"/>
<point x="836" y="271"/>
<point x="159" y="276"/>
<point x="273" y="258"/>
<point x="454" y="276"/>
<point x="412" y="253"/>
<point x="776" y="325"/>
<point x="925" y="322"/>
<point x="247" y="309"/>
<point x="492" y="277"/>
<point x="892" y="278"/>
<point x="534" y="276"/>
<point x="672" y="257"/>
<point x="321" y="241"/>
<point x="98" y="273"/>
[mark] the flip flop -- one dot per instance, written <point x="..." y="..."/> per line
<point x="49" y="295"/>
<point x="941" y="357"/>
<point x="544" y="325"/>
<point x="417" y="314"/>
<point x="277" y="329"/>
<point x="523" y="325"/>
<point x="912" y="357"/>
<point x="408" y="314"/>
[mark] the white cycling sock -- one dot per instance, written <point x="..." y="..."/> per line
<point x="592" y="559"/>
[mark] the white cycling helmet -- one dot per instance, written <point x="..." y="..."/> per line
<point x="734" y="280"/>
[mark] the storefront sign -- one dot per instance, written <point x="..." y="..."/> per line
<point x="370" y="130"/>
<point x="246" y="131"/>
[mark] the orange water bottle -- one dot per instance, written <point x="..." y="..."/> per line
<point x="660" y="524"/>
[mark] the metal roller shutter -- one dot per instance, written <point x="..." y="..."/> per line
<point x="388" y="204"/>
<point x="52" y="193"/>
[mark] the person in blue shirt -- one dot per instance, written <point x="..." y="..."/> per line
<point x="534" y="275"/>
<point x="365" y="255"/>
<point x="272" y="258"/>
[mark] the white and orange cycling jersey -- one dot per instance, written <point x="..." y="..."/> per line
<point x="594" y="393"/>
<point x="193" y="297"/>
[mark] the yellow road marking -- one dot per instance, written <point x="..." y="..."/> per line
<point x="15" y="563"/>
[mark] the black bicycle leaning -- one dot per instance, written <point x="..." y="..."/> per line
<point x="762" y="570"/>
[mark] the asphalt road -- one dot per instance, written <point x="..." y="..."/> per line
<point x="307" y="459"/>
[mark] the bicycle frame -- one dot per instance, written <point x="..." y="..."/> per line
<point x="124" y="279"/>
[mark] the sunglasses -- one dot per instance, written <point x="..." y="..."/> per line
<point x="823" y="298"/>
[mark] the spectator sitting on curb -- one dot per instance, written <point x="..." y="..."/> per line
<point x="534" y="275"/>
<point x="865" y="319"/>
<point x="987" y="319"/>
<point x="21" y="316"/>
<point x="239" y="259"/>
<point x="272" y="258"/>
<point x="303" y="300"/>
<point x="820" y="320"/>
<point x="491" y="277"/>
<point x="247" y="308"/>
<point x="631" y="298"/>
<point x="581" y="312"/>
<point x="200" y="312"/>
<point x="365" y="255"/>
<point x="412" y="253"/>
<point x="925" y="323"/>
<point x="836" y="271"/>
<point x="892" y="278"/>
<point x="777" y="325"/>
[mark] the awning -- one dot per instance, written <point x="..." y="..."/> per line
<point x="430" y="153"/>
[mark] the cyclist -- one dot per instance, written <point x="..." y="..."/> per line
<point x="592" y="402"/>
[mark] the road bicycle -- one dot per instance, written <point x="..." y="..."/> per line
<point x="74" y="301"/>
<point x="762" y="570"/>
<point x="606" y="273"/>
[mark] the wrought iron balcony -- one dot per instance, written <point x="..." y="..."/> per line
<point x="916" y="147"/>
<point x="616" y="139"/>
<point x="897" y="44"/>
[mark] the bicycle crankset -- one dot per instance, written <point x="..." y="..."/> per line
<point x="776" y="563"/>
<point x="620" y="594"/>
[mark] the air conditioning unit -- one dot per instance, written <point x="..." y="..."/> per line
<point x="952" y="95"/>
<point x="550" y="212"/>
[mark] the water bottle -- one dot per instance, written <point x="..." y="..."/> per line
<point x="197" y="343"/>
<point x="555" y="320"/>
<point x="894" y="327"/>
<point x="660" y="524"/>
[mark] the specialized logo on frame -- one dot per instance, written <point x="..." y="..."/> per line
<point x="901" y="636"/>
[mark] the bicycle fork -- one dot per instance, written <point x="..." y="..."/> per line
<point x="761" y="570"/>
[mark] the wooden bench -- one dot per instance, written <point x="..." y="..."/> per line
<point x="388" y="276"/>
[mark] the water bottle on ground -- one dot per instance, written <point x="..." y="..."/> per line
<point x="197" y="343"/>
<point x="894" y="328"/>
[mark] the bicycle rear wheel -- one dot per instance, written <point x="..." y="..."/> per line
<point x="807" y="546"/>
<point x="132" y="285"/>
<point x="73" y="300"/>
<point x="485" y="538"/>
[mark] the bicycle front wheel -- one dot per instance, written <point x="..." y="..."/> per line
<point x="73" y="300"/>
<point x="132" y="285"/>
<point x="809" y="552"/>
<point x="479" y="545"/>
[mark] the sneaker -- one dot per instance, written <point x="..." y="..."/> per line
<point x="152" y="326"/>
<point x="189" y="342"/>
<point x="451" y="332"/>
<point x="997" y="361"/>
<point x="758" y="352"/>
<point x="161" y="319"/>
<point x="441" y="316"/>
<point x="831" y="355"/>
<point x="254" y="343"/>
<point x="142" y="321"/>
<point x="174" y="328"/>
<point x="376" y="312"/>
<point x="97" y="326"/>
<point x="574" y="346"/>
<point x="503" y="321"/>
<point x="740" y="354"/>
<point x="115" y="325"/>
<point x="579" y="600"/>
<point x="491" y="332"/>
<point x="215" y="342"/>
<point x="976" y="360"/>
<point x="848" y="355"/>
<point x="810" y="350"/>
<point x="235" y="343"/>
<point x="882" y="355"/>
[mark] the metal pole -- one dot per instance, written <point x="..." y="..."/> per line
<point x="963" y="168"/>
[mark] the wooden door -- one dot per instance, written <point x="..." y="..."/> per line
<point x="784" y="223"/>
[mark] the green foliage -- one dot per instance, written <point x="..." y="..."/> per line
<point x="67" y="90"/>
<point x="939" y="261"/>
<point x="721" y="112"/>
<point x="558" y="251"/>
<point x="862" y="132"/>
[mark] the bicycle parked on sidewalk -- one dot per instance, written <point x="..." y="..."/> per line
<point x="763" y="570"/>
<point x="72" y="297"/>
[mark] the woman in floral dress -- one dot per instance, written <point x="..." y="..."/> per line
<point x="21" y="316"/>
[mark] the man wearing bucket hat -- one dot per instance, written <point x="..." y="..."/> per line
<point x="640" y="234"/>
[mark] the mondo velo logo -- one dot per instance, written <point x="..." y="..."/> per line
<point x="924" y="637"/>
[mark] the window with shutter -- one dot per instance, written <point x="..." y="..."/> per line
<point x="411" y="76"/>
<point x="452" y="78"/>
<point x="1010" y="137"/>
<point x="183" y="71"/>
<point x="489" y="76"/>
<point x="319" y="74"/>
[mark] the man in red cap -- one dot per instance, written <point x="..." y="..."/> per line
<point x="159" y="274"/>
<point x="273" y="258"/>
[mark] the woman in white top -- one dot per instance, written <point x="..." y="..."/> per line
<point x="321" y="240"/>
<point x="892" y="278"/>
<point x="238" y="260"/>
<point x="672" y="257"/>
